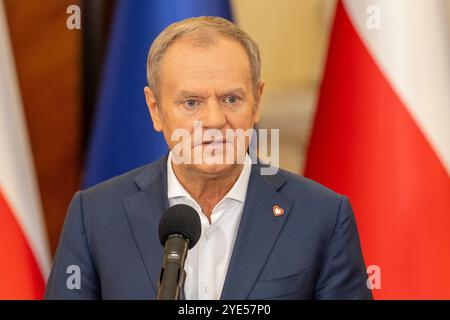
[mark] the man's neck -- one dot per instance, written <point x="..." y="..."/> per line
<point x="207" y="189"/>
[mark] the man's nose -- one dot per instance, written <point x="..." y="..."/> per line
<point x="213" y="115"/>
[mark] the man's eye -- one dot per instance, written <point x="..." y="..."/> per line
<point x="191" y="103"/>
<point x="231" y="99"/>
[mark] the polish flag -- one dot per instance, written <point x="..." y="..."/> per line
<point x="382" y="136"/>
<point x="24" y="254"/>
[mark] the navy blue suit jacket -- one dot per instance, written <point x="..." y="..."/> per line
<point x="312" y="251"/>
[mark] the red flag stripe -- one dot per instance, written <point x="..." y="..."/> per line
<point x="366" y="145"/>
<point x="20" y="276"/>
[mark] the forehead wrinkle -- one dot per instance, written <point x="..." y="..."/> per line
<point x="191" y="93"/>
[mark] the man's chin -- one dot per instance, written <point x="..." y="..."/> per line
<point x="213" y="169"/>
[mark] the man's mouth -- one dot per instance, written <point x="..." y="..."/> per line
<point x="210" y="142"/>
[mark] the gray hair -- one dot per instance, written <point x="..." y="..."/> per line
<point x="199" y="27"/>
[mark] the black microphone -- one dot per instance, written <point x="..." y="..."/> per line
<point x="179" y="230"/>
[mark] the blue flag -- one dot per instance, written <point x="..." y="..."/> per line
<point x="123" y="137"/>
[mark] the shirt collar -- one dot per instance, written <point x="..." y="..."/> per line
<point x="237" y="192"/>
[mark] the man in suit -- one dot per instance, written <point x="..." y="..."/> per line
<point x="264" y="236"/>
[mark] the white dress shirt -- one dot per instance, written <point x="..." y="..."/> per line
<point x="207" y="263"/>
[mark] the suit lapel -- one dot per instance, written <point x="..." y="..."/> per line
<point x="144" y="210"/>
<point x="258" y="231"/>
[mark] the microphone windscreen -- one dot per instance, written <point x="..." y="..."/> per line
<point x="180" y="219"/>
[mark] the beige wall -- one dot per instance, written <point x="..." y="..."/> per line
<point x="293" y="38"/>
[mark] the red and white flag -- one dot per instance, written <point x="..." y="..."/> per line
<point x="24" y="254"/>
<point x="382" y="136"/>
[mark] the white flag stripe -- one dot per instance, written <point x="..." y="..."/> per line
<point x="412" y="48"/>
<point x="17" y="179"/>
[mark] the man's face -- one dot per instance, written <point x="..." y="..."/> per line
<point x="210" y="83"/>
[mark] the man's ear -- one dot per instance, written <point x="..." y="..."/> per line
<point x="258" y="96"/>
<point x="152" y="105"/>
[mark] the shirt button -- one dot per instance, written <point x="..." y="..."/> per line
<point x="205" y="290"/>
